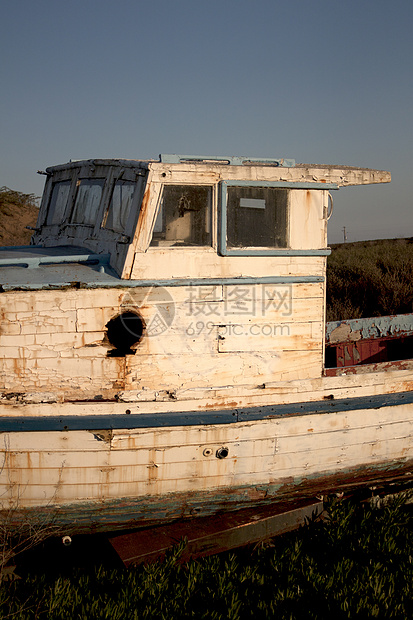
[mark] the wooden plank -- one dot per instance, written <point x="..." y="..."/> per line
<point x="189" y="263"/>
<point x="32" y="323"/>
<point x="310" y="451"/>
<point x="210" y="535"/>
<point x="190" y="398"/>
<point x="214" y="172"/>
<point x="194" y="318"/>
<point x="270" y="337"/>
<point x="328" y="462"/>
<point x="308" y="226"/>
<point x="55" y="441"/>
<point x="245" y="455"/>
<point x="31" y="460"/>
<point x="186" y="371"/>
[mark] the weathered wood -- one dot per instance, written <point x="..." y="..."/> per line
<point x="212" y="535"/>
<point x="176" y="459"/>
<point x="189" y="263"/>
<point x="230" y="334"/>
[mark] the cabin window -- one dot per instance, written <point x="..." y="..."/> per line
<point x="58" y="202"/>
<point x="184" y="216"/>
<point x="257" y="217"/>
<point x="120" y="206"/>
<point x="88" y="196"/>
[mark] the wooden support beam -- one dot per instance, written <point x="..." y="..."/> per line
<point x="210" y="535"/>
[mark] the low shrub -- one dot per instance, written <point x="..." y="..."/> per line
<point x="368" y="279"/>
<point x="355" y="563"/>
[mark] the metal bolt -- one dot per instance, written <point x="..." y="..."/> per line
<point x="67" y="541"/>
<point x="222" y="453"/>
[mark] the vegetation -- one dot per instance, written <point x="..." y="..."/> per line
<point x="12" y="197"/>
<point x="370" y="278"/>
<point x="17" y="210"/>
<point x="356" y="563"/>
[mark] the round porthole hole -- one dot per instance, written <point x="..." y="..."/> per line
<point x="222" y="453"/>
<point x="124" y="332"/>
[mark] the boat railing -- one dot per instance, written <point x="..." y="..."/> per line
<point x="369" y="340"/>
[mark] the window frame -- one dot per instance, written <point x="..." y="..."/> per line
<point x="223" y="248"/>
<point x="213" y="219"/>
<point x="98" y="210"/>
<point x="51" y="211"/>
<point x="106" y="212"/>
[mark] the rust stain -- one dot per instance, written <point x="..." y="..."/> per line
<point x="144" y="207"/>
<point x="367" y="368"/>
<point x="152" y="467"/>
<point x="254" y="493"/>
<point x="153" y="509"/>
<point x="120" y="382"/>
<point x="18" y="365"/>
<point x="222" y="403"/>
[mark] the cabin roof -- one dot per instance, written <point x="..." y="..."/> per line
<point x="288" y="169"/>
<point x="78" y="163"/>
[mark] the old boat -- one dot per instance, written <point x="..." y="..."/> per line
<point x="163" y="347"/>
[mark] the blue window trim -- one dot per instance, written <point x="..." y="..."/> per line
<point x="222" y="245"/>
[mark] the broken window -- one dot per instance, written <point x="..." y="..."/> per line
<point x="58" y="202"/>
<point x="257" y="217"/>
<point x="88" y="196"/>
<point x="184" y="216"/>
<point x="120" y="206"/>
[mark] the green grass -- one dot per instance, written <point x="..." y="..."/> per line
<point x="370" y="278"/>
<point x="355" y="564"/>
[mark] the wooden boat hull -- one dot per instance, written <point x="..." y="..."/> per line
<point x="96" y="475"/>
<point x="163" y="347"/>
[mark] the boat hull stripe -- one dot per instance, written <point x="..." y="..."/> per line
<point x="196" y="418"/>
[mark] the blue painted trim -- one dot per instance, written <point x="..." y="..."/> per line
<point x="279" y="252"/>
<point x="196" y="418"/>
<point x="225" y="251"/>
<point x="32" y="262"/>
<point x="219" y="281"/>
<point x="166" y="158"/>
<point x="222" y="242"/>
<point x="106" y="280"/>
<point x="21" y="247"/>
<point x="375" y="327"/>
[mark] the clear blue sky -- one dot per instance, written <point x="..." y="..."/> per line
<point x="321" y="82"/>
